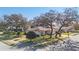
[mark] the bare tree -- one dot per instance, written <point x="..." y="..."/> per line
<point x="69" y="15"/>
<point x="16" y="21"/>
<point x="47" y="19"/>
<point x="64" y="19"/>
<point x="3" y="25"/>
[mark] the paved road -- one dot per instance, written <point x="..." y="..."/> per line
<point x="71" y="44"/>
<point x="4" y="47"/>
<point x="75" y="38"/>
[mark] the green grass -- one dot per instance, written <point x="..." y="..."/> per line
<point x="6" y="37"/>
<point x="42" y="40"/>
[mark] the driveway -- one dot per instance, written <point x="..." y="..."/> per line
<point x="75" y="38"/>
<point x="69" y="44"/>
<point x="4" y="47"/>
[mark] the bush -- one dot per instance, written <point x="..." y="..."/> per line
<point x="13" y="33"/>
<point x="6" y="32"/>
<point x="10" y="33"/>
<point x="20" y="34"/>
<point x="31" y="35"/>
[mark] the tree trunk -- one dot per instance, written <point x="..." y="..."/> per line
<point x="56" y="35"/>
<point x="58" y="32"/>
<point x="51" y="31"/>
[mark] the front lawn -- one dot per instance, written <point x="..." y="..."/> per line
<point x="10" y="38"/>
<point x="6" y="37"/>
<point x="38" y="42"/>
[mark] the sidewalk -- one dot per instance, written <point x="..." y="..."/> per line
<point x="4" y="47"/>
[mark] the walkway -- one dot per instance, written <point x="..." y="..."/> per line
<point x="4" y="47"/>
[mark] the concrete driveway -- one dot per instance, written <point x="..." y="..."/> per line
<point x="4" y="47"/>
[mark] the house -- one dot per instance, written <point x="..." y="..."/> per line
<point x="11" y="28"/>
<point x="44" y="30"/>
<point x="56" y="26"/>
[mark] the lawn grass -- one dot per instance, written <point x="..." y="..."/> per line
<point x="6" y="37"/>
<point x="49" y="41"/>
<point x="44" y="40"/>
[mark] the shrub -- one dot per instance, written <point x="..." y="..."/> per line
<point x="6" y="32"/>
<point x="20" y="34"/>
<point x="10" y="33"/>
<point x="31" y="35"/>
<point x="13" y="33"/>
